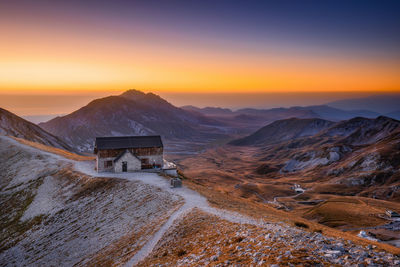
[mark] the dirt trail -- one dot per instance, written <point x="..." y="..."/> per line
<point x="192" y="200"/>
<point x="352" y="255"/>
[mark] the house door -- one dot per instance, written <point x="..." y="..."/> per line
<point x="124" y="166"/>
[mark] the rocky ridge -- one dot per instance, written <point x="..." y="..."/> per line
<point x="12" y="125"/>
<point x="200" y="239"/>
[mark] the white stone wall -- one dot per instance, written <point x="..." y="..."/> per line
<point x="134" y="163"/>
<point x="100" y="164"/>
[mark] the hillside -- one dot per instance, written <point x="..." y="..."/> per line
<point x="56" y="211"/>
<point x="358" y="131"/>
<point x="12" y="125"/>
<point x="357" y="158"/>
<point x="283" y="130"/>
<point x="53" y="215"/>
<point x="131" y="113"/>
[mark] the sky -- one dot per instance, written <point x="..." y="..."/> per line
<point x="81" y="48"/>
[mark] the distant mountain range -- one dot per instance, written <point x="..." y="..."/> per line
<point x="209" y="110"/>
<point x="394" y="114"/>
<point x="356" y="131"/>
<point x="131" y="113"/>
<point x="283" y="130"/>
<point x="12" y="125"/>
<point x="321" y="111"/>
<point x="383" y="104"/>
<point x="138" y="113"/>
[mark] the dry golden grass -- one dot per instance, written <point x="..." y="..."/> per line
<point x="219" y="196"/>
<point x="58" y="151"/>
<point x="346" y="213"/>
<point x="224" y="200"/>
<point x="228" y="177"/>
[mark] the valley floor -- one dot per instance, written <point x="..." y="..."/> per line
<point x="137" y="219"/>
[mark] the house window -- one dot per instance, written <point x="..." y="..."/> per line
<point x="146" y="164"/>
<point x="108" y="164"/>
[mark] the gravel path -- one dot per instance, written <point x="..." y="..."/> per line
<point x="326" y="249"/>
<point x="192" y="200"/>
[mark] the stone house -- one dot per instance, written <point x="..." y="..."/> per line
<point x="128" y="153"/>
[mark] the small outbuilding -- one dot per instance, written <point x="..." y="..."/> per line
<point x="128" y="153"/>
<point x="176" y="182"/>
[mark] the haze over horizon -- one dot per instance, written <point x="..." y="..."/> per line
<point x="59" y="55"/>
<point x="41" y="107"/>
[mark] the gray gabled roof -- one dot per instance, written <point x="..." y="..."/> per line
<point x="118" y="142"/>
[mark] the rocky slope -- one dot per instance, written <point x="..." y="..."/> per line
<point x="199" y="239"/>
<point x="349" y="171"/>
<point x="52" y="215"/>
<point x="351" y="150"/>
<point x="359" y="131"/>
<point x="283" y="130"/>
<point x="12" y="125"/>
<point x="131" y="113"/>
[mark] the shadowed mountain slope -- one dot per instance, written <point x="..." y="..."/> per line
<point x="283" y="130"/>
<point x="12" y="125"/>
<point x="359" y="131"/>
<point x="131" y="113"/>
<point x="356" y="131"/>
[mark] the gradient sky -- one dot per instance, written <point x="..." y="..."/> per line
<point x="199" y="46"/>
<point x="170" y="47"/>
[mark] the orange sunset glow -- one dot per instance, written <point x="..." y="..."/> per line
<point x="72" y="49"/>
<point x="199" y="133"/>
<point x="52" y="54"/>
<point x="76" y="63"/>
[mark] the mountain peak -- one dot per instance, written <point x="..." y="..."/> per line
<point x="149" y="98"/>
<point x="133" y="93"/>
